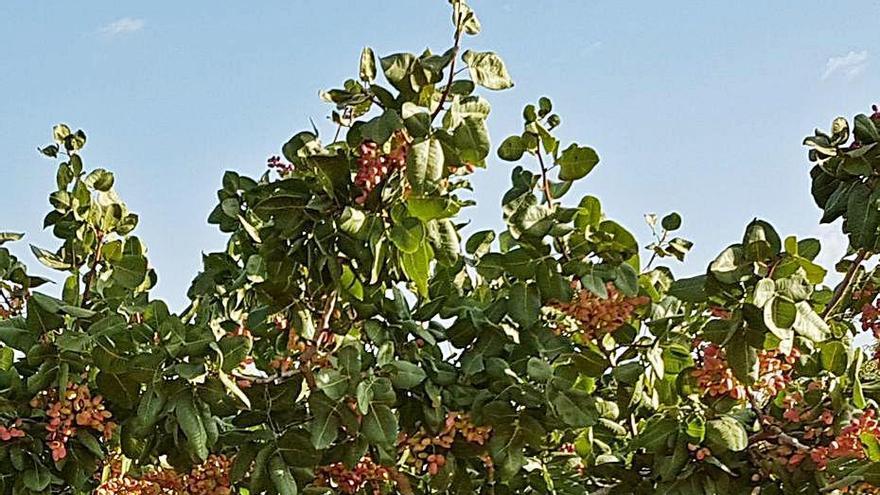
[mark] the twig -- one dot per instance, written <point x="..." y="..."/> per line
<point x="845" y="284"/>
<point x="547" y="196"/>
<point x="90" y="276"/>
<point x="654" y="253"/>
<point x="455" y="47"/>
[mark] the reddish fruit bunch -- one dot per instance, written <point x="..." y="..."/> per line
<point x="126" y="485"/>
<point x="76" y="408"/>
<point x="210" y="477"/>
<point x="716" y="379"/>
<point x="699" y="452"/>
<point x="283" y="168"/>
<point x="11" y="432"/>
<point x="365" y="473"/>
<point x="11" y="305"/>
<point x="775" y="370"/>
<point x="597" y="316"/>
<point x="870" y="318"/>
<point x="848" y="442"/>
<point x="714" y="376"/>
<point x="374" y="165"/>
<point x="426" y="452"/>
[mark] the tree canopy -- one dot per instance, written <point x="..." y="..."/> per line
<point x="348" y="340"/>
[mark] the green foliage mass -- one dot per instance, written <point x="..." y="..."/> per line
<point x="347" y="316"/>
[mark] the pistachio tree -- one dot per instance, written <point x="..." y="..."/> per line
<point x="348" y="339"/>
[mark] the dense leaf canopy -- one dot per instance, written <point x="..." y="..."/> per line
<point x="348" y="340"/>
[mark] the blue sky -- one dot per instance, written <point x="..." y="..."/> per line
<point x="698" y="107"/>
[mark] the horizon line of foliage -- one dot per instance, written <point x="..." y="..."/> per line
<point x="348" y="340"/>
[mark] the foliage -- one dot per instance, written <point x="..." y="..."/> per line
<point x="347" y="340"/>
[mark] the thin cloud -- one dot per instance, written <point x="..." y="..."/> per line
<point x="850" y="65"/>
<point x="126" y="25"/>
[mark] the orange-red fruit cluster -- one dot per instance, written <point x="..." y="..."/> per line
<point x="374" y="165"/>
<point x="428" y="452"/>
<point x="75" y="408"/>
<point x="716" y="379"/>
<point x="127" y="485"/>
<point x="775" y="370"/>
<point x="870" y="319"/>
<point x="848" y="443"/>
<point x="10" y="432"/>
<point x="597" y="316"/>
<point x="209" y="478"/>
<point x="714" y="376"/>
<point x="365" y="473"/>
<point x="11" y="305"/>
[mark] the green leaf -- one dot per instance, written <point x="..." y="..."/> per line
<point x="100" y="179"/>
<point x="671" y="222"/>
<point x="834" y="357"/>
<point x="809" y="324"/>
<point x="487" y="69"/>
<point x="863" y="216"/>
<point x="381" y="128"/>
<point x="190" y="421"/>
<point x="743" y="359"/>
<point x="765" y="289"/>
<point x="576" y="162"/>
<point x="368" y="65"/>
<point x="281" y="477"/>
<point x="480" y="242"/>
<point x="332" y="382"/>
<point x="865" y="130"/>
<point x="471" y="138"/>
<point x="511" y="149"/>
<point x="130" y="271"/>
<point x="397" y="69"/>
<point x="782" y="313"/>
<point x="524" y="304"/>
<point x="779" y="317"/>
<point x="406" y="375"/>
<point x="570" y="413"/>
<point x="424" y="164"/>
<point x="427" y="208"/>
<point x="728" y="433"/>
<point x="539" y="370"/>
<point x="49" y="259"/>
<point x="38" y="478"/>
<point x="689" y="289"/>
<point x="416" y="119"/>
<point x="17" y="338"/>
<point x="655" y="433"/>
<point x="235" y="348"/>
<point x="7" y="357"/>
<point x="407" y="235"/>
<point x="380" y="425"/>
<point x="728" y="267"/>
<point x="324" y="428"/>
<point x="417" y="266"/>
<point x="9" y="236"/>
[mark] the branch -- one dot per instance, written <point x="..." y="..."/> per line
<point x="845" y="284"/>
<point x="455" y="47"/>
<point x="90" y="276"/>
<point x="547" y="196"/>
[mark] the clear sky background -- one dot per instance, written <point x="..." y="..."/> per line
<point x="698" y="107"/>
